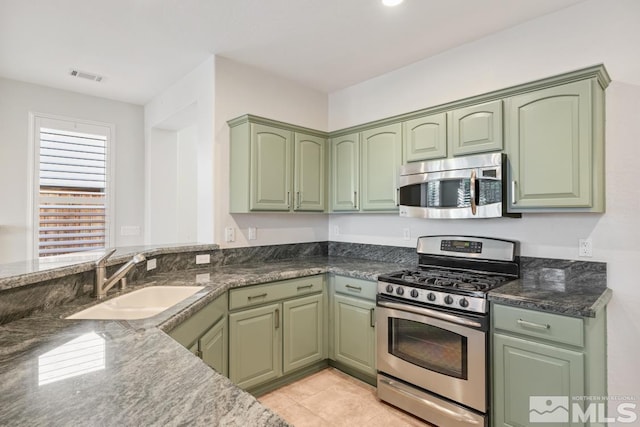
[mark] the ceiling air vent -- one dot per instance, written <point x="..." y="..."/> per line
<point x="85" y="75"/>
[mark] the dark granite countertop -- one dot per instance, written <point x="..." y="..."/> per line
<point x="134" y="374"/>
<point x="570" y="288"/>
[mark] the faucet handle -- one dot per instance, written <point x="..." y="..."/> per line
<point x="103" y="259"/>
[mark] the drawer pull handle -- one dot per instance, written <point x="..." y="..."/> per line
<point x="372" y="317"/>
<point x="257" y="296"/>
<point x="526" y="324"/>
<point x="354" y="288"/>
<point x="304" y="287"/>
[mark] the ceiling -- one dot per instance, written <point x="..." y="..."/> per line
<point x="141" y="47"/>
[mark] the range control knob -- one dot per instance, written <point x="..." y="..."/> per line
<point x="431" y="296"/>
<point x="414" y="293"/>
<point x="463" y="302"/>
<point x="399" y="291"/>
<point x="448" y="299"/>
<point x="390" y="289"/>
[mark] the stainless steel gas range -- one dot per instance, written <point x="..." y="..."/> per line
<point x="432" y="328"/>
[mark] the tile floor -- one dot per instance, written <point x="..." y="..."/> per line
<point x="331" y="398"/>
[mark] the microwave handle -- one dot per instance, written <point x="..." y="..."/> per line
<point x="473" y="192"/>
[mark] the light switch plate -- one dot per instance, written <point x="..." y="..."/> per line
<point x="253" y="233"/>
<point x="203" y="259"/>
<point x="151" y="264"/>
<point x="229" y="234"/>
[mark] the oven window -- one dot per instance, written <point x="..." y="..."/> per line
<point x="429" y="347"/>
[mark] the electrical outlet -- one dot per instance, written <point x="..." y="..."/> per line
<point x="253" y="233"/>
<point x="229" y="234"/>
<point x="585" y="248"/>
<point x="151" y="264"/>
<point x="336" y="230"/>
<point x="203" y="259"/>
<point x="406" y="234"/>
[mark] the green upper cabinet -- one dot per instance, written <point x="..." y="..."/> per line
<point x="276" y="167"/>
<point x="555" y="148"/>
<point x="552" y="131"/>
<point x="476" y="129"/>
<point x="309" y="173"/>
<point x="381" y="153"/>
<point x="424" y="138"/>
<point x="270" y="188"/>
<point x="345" y="173"/>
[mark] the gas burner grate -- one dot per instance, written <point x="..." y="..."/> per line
<point x="462" y="280"/>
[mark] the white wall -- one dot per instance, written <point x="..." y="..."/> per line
<point x="17" y="99"/>
<point x="188" y="102"/>
<point x="241" y="89"/>
<point x="596" y="31"/>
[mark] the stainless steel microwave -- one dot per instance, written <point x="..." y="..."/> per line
<point x="463" y="187"/>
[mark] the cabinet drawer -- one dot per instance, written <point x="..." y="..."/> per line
<point x="552" y="327"/>
<point x="356" y="287"/>
<point x="260" y="294"/>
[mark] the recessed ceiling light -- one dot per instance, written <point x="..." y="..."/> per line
<point x="391" y="3"/>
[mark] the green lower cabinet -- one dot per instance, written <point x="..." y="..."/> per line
<point x="543" y="364"/>
<point x="205" y="334"/>
<point x="276" y="329"/>
<point x="255" y="341"/>
<point x="354" y="333"/>
<point x="526" y="369"/>
<point x="303" y="332"/>
<point x="214" y="348"/>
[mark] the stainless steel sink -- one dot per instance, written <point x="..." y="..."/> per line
<point x="140" y="304"/>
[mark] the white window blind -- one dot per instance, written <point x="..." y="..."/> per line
<point x="72" y="198"/>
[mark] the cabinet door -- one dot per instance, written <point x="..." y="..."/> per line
<point x="303" y="332"/>
<point x="309" y="173"/>
<point x="345" y="173"/>
<point x="271" y="160"/>
<point x="213" y="347"/>
<point x="354" y="333"/>
<point x="550" y="147"/>
<point x="381" y="159"/>
<point x="255" y="345"/>
<point x="424" y="138"/>
<point x="523" y="369"/>
<point x="477" y="128"/>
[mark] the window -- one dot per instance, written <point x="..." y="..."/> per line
<point x="72" y="191"/>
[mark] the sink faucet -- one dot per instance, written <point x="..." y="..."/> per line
<point x="103" y="284"/>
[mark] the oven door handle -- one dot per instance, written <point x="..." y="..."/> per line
<point x="430" y="313"/>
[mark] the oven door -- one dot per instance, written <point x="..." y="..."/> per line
<point x="437" y="351"/>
